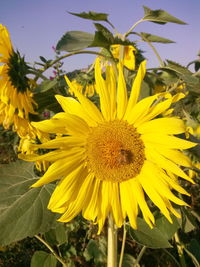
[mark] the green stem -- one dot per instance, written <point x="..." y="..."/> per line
<point x="52" y="250"/>
<point x="68" y="55"/>
<point x="180" y="250"/>
<point x="133" y="27"/>
<point x="123" y="247"/>
<point x="112" y="243"/>
<point x="155" y="51"/>
<point x="139" y="256"/>
<point x="173" y="258"/>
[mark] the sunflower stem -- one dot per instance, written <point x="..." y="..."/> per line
<point x="112" y="243"/>
<point x="180" y="250"/>
<point x="139" y="256"/>
<point x="64" y="264"/>
<point x="123" y="246"/>
<point x="133" y="27"/>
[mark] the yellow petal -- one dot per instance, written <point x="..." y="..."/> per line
<point x="104" y="204"/>
<point x="166" y="164"/>
<point x="121" y="94"/>
<point x="139" y="195"/>
<point x="67" y="189"/>
<point x="90" y="210"/>
<point x="155" y="111"/>
<point x="162" y="125"/>
<point x="88" y="106"/>
<point x="72" y="106"/>
<point x="135" y="91"/>
<point x="111" y="88"/>
<point x="60" y="169"/>
<point x="140" y="109"/>
<point x="81" y="201"/>
<point x="167" y="141"/>
<point x="102" y="91"/>
<point x="151" y="192"/>
<point x="129" y="203"/>
<point x="116" y="205"/>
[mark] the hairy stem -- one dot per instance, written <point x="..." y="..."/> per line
<point x="123" y="246"/>
<point x="112" y="243"/>
<point x="133" y="27"/>
<point x="52" y="250"/>
<point x="139" y="256"/>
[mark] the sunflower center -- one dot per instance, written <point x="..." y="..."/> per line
<point x="115" y="151"/>
<point x="17" y="71"/>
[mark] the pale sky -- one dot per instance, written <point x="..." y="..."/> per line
<point x="36" y="26"/>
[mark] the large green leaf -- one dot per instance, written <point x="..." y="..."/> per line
<point x="91" y="15"/>
<point x="75" y="40"/>
<point x="43" y="259"/>
<point x="152" y="238"/>
<point x="154" y="38"/>
<point x="160" y="16"/>
<point x="23" y="209"/>
<point x="165" y="227"/>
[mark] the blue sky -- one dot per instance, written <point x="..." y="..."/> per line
<point x="35" y="26"/>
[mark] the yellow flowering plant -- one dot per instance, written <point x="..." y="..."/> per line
<point x="103" y="150"/>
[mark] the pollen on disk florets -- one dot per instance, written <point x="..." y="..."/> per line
<point x="115" y="151"/>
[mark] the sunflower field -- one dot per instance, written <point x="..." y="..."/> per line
<point x="100" y="166"/>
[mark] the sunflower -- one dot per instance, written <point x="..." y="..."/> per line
<point x="109" y="159"/>
<point x="128" y="55"/>
<point x="14" y="85"/>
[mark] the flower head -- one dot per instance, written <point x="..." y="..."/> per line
<point x="14" y="85"/>
<point x="108" y="159"/>
<point x="128" y="58"/>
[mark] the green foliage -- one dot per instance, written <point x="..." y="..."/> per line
<point x="74" y="41"/>
<point x="158" y="236"/>
<point x="96" y="250"/>
<point x="105" y="33"/>
<point x="43" y="259"/>
<point x="91" y="15"/>
<point x="128" y="261"/>
<point x="160" y="16"/>
<point x="56" y="236"/>
<point x="154" y="38"/>
<point x="23" y="210"/>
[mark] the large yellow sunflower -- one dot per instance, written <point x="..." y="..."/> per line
<point x="14" y="85"/>
<point x="109" y="159"/>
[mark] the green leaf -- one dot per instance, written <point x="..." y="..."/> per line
<point x="96" y="249"/>
<point x="43" y="59"/>
<point x="167" y="229"/>
<point x="45" y="86"/>
<point x="128" y="261"/>
<point x="105" y="32"/>
<point x="183" y="73"/>
<point x="197" y="65"/>
<point x="160" y="16"/>
<point x="43" y="259"/>
<point x="194" y="248"/>
<point x="100" y="40"/>
<point x="23" y="210"/>
<point x="152" y="238"/>
<point x="91" y="15"/>
<point x="56" y="236"/>
<point x="75" y="40"/>
<point x="47" y="100"/>
<point x="154" y="38"/>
